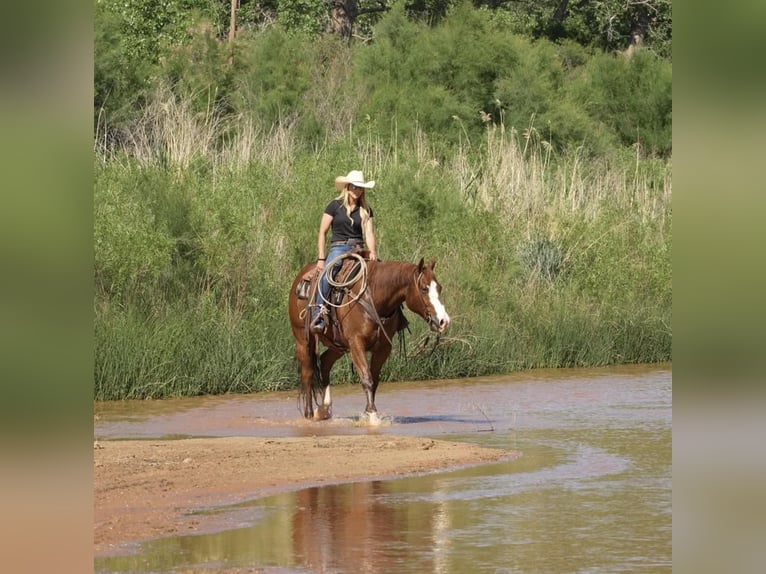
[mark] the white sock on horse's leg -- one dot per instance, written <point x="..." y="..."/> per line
<point x="324" y="411"/>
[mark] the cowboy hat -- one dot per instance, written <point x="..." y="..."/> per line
<point x="356" y="177"/>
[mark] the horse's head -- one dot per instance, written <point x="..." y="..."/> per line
<point x="424" y="298"/>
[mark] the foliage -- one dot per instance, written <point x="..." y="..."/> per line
<point x="148" y="27"/>
<point x="186" y="350"/>
<point x="131" y="249"/>
<point x="632" y="96"/>
<point x="513" y="161"/>
<point x="429" y="11"/>
<point x="255" y="15"/>
<point x="307" y="17"/>
<point x="436" y="78"/>
<point x="455" y="77"/>
<point x="451" y="77"/>
<point x="130" y="40"/>
<point x="120" y="74"/>
<point x="606" y="24"/>
<point x="561" y="261"/>
<point x="534" y="97"/>
<point x="275" y="72"/>
<point x="202" y="72"/>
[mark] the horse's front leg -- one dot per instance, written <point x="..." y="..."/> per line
<point x="360" y="364"/>
<point x="379" y="356"/>
<point x="324" y="400"/>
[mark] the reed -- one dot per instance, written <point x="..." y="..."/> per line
<point x="520" y="176"/>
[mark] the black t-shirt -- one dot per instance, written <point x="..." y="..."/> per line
<point x="342" y="227"/>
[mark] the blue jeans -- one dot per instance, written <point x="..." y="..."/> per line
<point x="324" y="285"/>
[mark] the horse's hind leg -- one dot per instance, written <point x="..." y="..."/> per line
<point x="303" y="354"/>
<point x="324" y="400"/>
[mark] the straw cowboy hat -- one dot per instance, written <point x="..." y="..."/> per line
<point x="356" y="177"/>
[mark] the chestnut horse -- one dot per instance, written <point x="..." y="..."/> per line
<point x="365" y="320"/>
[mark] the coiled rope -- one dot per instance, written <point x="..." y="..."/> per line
<point x="360" y="275"/>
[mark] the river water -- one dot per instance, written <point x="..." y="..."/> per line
<point x="591" y="491"/>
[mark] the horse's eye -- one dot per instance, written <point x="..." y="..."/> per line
<point x="424" y="289"/>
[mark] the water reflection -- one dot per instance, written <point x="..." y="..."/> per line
<point x="591" y="493"/>
<point x="557" y="510"/>
<point x="346" y="526"/>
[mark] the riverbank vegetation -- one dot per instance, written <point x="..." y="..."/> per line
<point x="536" y="172"/>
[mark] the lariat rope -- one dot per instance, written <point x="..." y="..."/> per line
<point x="360" y="275"/>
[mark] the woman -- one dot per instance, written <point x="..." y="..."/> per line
<point x="351" y="221"/>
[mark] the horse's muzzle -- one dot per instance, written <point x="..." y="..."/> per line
<point x="438" y="325"/>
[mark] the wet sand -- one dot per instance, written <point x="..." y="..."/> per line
<point x="146" y="489"/>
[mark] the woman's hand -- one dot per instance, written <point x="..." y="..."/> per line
<point x="311" y="273"/>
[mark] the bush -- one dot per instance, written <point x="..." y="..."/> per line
<point x="120" y="76"/>
<point x="131" y="38"/>
<point x="276" y="72"/>
<point x="631" y="96"/>
<point x="132" y="247"/>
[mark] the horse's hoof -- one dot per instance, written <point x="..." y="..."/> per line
<point x="322" y="413"/>
<point x="372" y="419"/>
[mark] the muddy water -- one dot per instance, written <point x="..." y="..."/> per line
<point x="591" y="492"/>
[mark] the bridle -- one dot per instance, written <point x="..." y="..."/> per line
<point x="426" y="306"/>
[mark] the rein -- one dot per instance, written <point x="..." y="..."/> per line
<point x="369" y="307"/>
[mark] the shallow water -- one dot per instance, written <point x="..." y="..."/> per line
<point x="590" y="493"/>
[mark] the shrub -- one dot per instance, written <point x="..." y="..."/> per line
<point x="275" y="75"/>
<point x="632" y="96"/>
<point x="132" y="248"/>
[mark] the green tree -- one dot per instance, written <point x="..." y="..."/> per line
<point x="633" y="96"/>
<point x="120" y="74"/>
<point x="303" y="16"/>
<point x="606" y="24"/>
<point x="131" y="37"/>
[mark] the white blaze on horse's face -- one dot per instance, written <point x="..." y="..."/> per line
<point x="442" y="318"/>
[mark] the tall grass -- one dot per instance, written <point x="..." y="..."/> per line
<point x="187" y="351"/>
<point x="519" y="175"/>
<point x="171" y="134"/>
<point x="546" y="260"/>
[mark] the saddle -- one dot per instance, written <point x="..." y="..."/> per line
<point x="349" y="267"/>
<point x="307" y="288"/>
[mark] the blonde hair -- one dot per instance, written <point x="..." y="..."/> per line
<point x="361" y="202"/>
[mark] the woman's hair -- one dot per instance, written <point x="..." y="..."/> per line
<point x="361" y="202"/>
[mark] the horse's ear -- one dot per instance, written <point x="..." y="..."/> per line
<point x="420" y="265"/>
<point x="432" y="263"/>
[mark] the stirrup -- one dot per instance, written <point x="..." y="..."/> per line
<point x="317" y="323"/>
<point x="318" y="326"/>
